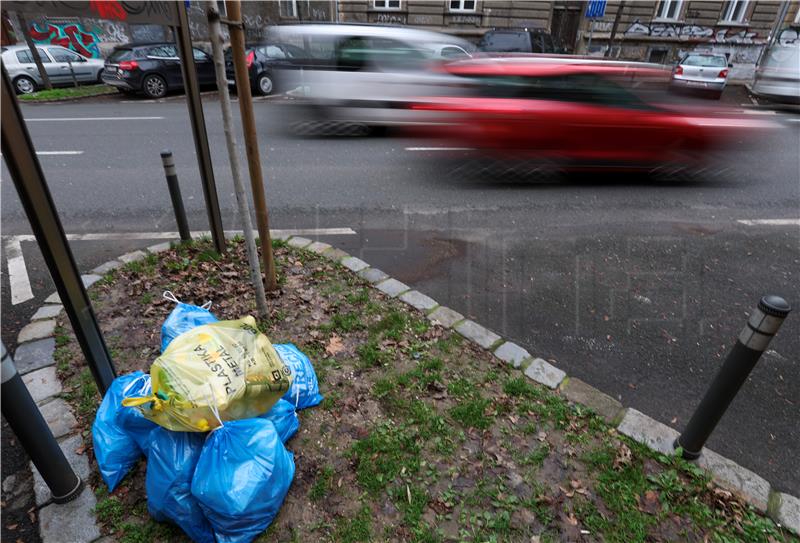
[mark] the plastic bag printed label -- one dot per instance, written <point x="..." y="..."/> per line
<point x="225" y="370"/>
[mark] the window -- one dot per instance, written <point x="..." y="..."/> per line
<point x="63" y="55"/>
<point x="462" y="5"/>
<point x="797" y="17"/>
<point x="163" y="51"/>
<point x="24" y="57"/>
<point x="272" y="51"/>
<point x="669" y="9"/>
<point x="705" y="61"/>
<point x="386" y="4"/>
<point x="200" y="56"/>
<point x="287" y="8"/>
<point x="453" y="52"/>
<point x="734" y="11"/>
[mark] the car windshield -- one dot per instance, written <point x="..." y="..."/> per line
<point x="705" y="61"/>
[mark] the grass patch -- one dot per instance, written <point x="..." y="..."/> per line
<point x="67" y="93"/>
<point x="322" y="485"/>
<point x="383" y="454"/>
<point x="472" y="413"/>
<point x="344" y="323"/>
<point x="356" y="529"/>
<point x="391" y="326"/>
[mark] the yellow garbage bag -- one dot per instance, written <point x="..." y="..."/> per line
<point x="225" y="370"/>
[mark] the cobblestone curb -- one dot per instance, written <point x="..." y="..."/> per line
<point x="75" y="521"/>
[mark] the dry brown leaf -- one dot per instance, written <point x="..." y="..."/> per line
<point x="623" y="457"/>
<point x="334" y="346"/>
<point x="11" y="526"/>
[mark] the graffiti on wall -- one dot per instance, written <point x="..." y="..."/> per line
<point x="318" y="14"/>
<point x="112" y="31"/>
<point x="70" y="35"/>
<point x="147" y="33"/>
<point x="255" y="25"/>
<point x="390" y="19"/>
<point x="466" y="20"/>
<point x="690" y="31"/>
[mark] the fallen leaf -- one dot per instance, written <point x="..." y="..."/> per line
<point x="541" y="436"/>
<point x="623" y="457"/>
<point x="11" y="526"/>
<point x="649" y="504"/>
<point x="334" y="346"/>
<point x="80" y="449"/>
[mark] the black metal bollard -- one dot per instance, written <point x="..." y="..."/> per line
<point x="175" y="194"/>
<point x="29" y="426"/>
<point x="752" y="342"/>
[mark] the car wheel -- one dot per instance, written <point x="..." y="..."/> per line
<point x="264" y="85"/>
<point x="100" y="76"/>
<point x="24" y="85"/>
<point x="154" y="86"/>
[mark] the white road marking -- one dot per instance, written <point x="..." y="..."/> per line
<point x="770" y="222"/>
<point x="52" y="119"/>
<point x="17" y="273"/>
<point x="439" y="148"/>
<point x="48" y="153"/>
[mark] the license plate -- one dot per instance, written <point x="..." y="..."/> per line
<point x="698" y="84"/>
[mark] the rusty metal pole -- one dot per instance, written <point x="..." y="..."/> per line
<point x="34" y="52"/>
<point x="613" y="35"/>
<point x="236" y="30"/>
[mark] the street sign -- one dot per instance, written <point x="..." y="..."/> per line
<point x="595" y="8"/>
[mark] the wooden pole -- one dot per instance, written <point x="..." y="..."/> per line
<point x="236" y="29"/>
<point x="34" y="52"/>
<point x="214" y="31"/>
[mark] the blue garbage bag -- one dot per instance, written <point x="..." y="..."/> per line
<point x="241" y="478"/>
<point x="120" y="434"/>
<point x="170" y="468"/>
<point x="284" y="417"/>
<point x="182" y="319"/>
<point x="304" y="391"/>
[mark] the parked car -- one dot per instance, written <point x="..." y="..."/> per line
<point x="704" y="72"/>
<point x="361" y="76"/>
<point x="56" y="61"/>
<point x="518" y="41"/>
<point x="777" y="76"/>
<point x="153" y="68"/>
<point x="578" y="114"/>
<point x="262" y="61"/>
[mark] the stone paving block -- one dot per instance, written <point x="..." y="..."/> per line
<point x="392" y="287"/>
<point x="37" y="330"/>
<point x="54" y="298"/>
<point x="785" y="510"/>
<point x="337" y="255"/>
<point x="298" y="242"/>
<point x="106" y="267"/>
<point x="160" y="247"/>
<point x="79" y="463"/>
<point x="90" y="279"/>
<point x="477" y="333"/>
<point x="354" y="264"/>
<point x="418" y="300"/>
<point x="47" y="312"/>
<point x="373" y="275"/>
<point x="604" y="405"/>
<point x="34" y="355"/>
<point x="42" y="383"/>
<point x="318" y="247"/>
<point x="512" y="353"/>
<point x="133" y="256"/>
<point x="445" y="316"/>
<point x="639" y="427"/>
<point x="544" y="373"/>
<point x="58" y="415"/>
<point x="72" y="522"/>
<point x="739" y="480"/>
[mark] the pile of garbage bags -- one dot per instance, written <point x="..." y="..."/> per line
<point x="212" y="418"/>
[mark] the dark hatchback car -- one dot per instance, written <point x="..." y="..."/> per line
<point x="262" y="60"/>
<point x="153" y="68"/>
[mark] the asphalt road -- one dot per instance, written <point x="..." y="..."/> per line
<point x="636" y="287"/>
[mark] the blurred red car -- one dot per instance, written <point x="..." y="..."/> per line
<point x="577" y="113"/>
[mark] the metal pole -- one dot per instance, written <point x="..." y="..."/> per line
<point x="234" y="10"/>
<point x="29" y="426"/>
<point x="753" y="340"/>
<point x="183" y="40"/>
<point x="72" y="71"/>
<point x="215" y="33"/>
<point x="776" y="29"/>
<point x="175" y="194"/>
<point x="617" y="18"/>
<point x="591" y="32"/>
<point x="34" y="194"/>
<point x="34" y="52"/>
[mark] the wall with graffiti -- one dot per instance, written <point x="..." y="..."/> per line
<point x="70" y="35"/>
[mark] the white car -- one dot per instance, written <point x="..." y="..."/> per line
<point x="703" y="72"/>
<point x="56" y="60"/>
